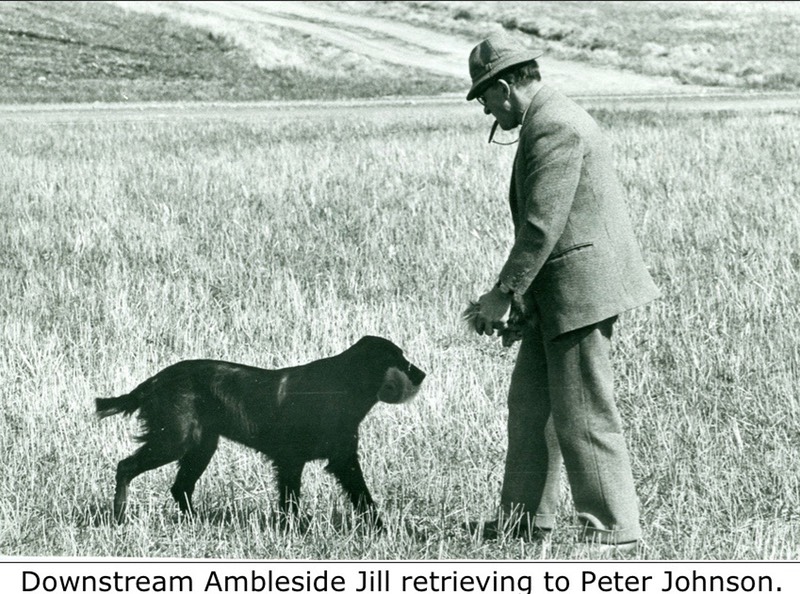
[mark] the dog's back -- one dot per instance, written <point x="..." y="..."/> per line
<point x="263" y="409"/>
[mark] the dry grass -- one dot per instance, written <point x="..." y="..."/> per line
<point x="130" y="245"/>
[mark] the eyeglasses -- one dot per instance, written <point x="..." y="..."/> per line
<point x="481" y="98"/>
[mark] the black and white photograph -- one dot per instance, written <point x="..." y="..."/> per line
<point x="401" y="281"/>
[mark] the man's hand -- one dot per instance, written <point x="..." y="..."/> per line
<point x="493" y="310"/>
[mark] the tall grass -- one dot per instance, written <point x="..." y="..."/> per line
<point x="130" y="245"/>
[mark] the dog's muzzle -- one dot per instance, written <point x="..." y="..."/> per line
<point x="415" y="374"/>
<point x="400" y="386"/>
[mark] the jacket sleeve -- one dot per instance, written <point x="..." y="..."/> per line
<point x="553" y="161"/>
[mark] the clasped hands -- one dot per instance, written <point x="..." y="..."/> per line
<point x="493" y="310"/>
<point x="496" y="310"/>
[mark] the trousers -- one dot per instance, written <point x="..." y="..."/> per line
<point x="562" y="392"/>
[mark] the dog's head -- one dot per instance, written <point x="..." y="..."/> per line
<point x="399" y="380"/>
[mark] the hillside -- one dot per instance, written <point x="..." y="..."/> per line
<point x="746" y="45"/>
<point x="234" y="51"/>
<point x="95" y="51"/>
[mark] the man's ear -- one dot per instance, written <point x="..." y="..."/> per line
<point x="506" y="88"/>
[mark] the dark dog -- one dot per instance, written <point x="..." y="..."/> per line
<point x="292" y="415"/>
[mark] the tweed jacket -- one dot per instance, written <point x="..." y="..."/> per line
<point x="575" y="257"/>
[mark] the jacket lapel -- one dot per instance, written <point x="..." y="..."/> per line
<point x="540" y="98"/>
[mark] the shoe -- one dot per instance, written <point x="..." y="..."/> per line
<point x="494" y="530"/>
<point x="601" y="550"/>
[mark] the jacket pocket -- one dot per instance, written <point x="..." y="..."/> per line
<point x="570" y="251"/>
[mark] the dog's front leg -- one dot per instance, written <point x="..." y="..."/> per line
<point x="289" y="476"/>
<point x="347" y="471"/>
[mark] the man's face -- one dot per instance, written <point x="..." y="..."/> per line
<point x="495" y="101"/>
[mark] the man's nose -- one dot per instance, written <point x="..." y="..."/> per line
<point x="486" y="110"/>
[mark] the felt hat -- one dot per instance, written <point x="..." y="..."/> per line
<point x="493" y="55"/>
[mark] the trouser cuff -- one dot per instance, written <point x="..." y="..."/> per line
<point x="593" y="533"/>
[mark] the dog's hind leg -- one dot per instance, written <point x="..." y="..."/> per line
<point x="347" y="471"/>
<point x="192" y="465"/>
<point x="147" y="457"/>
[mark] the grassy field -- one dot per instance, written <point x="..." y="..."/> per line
<point x="751" y="45"/>
<point x="56" y="52"/>
<point x="131" y="245"/>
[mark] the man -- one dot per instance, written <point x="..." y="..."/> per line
<point x="576" y="265"/>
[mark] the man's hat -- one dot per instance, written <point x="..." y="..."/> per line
<point x="493" y="55"/>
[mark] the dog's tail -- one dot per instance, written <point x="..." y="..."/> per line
<point x="126" y="404"/>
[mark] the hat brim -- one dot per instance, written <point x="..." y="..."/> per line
<point x="480" y="85"/>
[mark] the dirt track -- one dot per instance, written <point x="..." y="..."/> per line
<point x="393" y="42"/>
<point x="376" y="108"/>
<point x="384" y="40"/>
